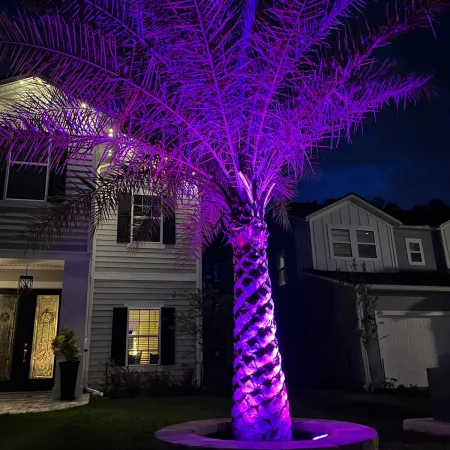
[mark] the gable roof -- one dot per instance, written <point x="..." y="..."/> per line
<point x="360" y="202"/>
<point x="445" y="224"/>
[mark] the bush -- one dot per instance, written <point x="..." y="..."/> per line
<point x="123" y="382"/>
<point x="126" y="382"/>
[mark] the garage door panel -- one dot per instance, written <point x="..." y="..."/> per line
<point x="402" y="327"/>
<point x="423" y="361"/>
<point x="386" y="326"/>
<point x="405" y="361"/>
<point x="403" y="343"/>
<point x="423" y="342"/>
<point x="409" y="377"/>
<point x="410" y="345"/>
<point x="422" y="379"/>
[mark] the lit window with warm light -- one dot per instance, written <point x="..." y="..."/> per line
<point x="143" y="336"/>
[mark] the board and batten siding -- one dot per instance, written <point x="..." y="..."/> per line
<point x="150" y="275"/>
<point x="445" y="237"/>
<point x="349" y="215"/>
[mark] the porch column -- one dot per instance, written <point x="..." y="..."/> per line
<point x="73" y="312"/>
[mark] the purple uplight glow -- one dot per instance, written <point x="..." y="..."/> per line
<point x="217" y="107"/>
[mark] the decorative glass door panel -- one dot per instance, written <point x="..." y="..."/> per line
<point x="8" y="314"/>
<point x="42" y="360"/>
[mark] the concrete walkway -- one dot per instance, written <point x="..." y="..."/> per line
<point x="31" y="402"/>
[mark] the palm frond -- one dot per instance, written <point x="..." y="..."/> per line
<point x="234" y="98"/>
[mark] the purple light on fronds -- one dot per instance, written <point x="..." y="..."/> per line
<point x="219" y="104"/>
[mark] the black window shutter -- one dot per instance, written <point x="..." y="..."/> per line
<point x="124" y="218"/>
<point x="3" y="167"/>
<point x="119" y="336"/>
<point x="169" y="231"/>
<point x="57" y="180"/>
<point x="167" y="336"/>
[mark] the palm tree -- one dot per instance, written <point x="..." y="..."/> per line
<point x="224" y="102"/>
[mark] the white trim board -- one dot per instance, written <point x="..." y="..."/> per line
<point x="388" y="287"/>
<point x="404" y="287"/>
<point x="409" y="252"/>
<point x="413" y="313"/>
<point x="118" y="276"/>
<point x="36" y="284"/>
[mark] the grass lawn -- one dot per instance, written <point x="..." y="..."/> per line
<point x="130" y="424"/>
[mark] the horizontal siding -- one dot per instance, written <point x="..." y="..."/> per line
<point x="112" y="256"/>
<point x="16" y="215"/>
<point x="348" y="214"/>
<point x="111" y="294"/>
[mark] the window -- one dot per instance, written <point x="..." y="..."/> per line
<point x="367" y="248"/>
<point x="415" y="252"/>
<point x="25" y="179"/>
<point x="350" y="242"/>
<point x="143" y="336"/>
<point x="281" y="270"/>
<point x="342" y="245"/>
<point x="147" y="221"/>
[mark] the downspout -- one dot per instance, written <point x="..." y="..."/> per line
<point x="198" y="340"/>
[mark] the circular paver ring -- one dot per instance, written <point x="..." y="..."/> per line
<point x="339" y="435"/>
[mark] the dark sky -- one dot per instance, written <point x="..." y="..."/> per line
<point x="403" y="157"/>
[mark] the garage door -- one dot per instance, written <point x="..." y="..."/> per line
<point x="409" y="345"/>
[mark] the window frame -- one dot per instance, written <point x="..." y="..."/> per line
<point x="330" y="235"/>
<point x="141" y="308"/>
<point x="281" y="270"/>
<point x="353" y="242"/>
<point x="25" y="163"/>
<point x="373" y="244"/>
<point x="409" y="251"/>
<point x="153" y="244"/>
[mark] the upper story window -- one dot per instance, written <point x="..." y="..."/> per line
<point x="341" y="242"/>
<point x="353" y="243"/>
<point x="414" y="248"/>
<point x="140" y="219"/>
<point x="147" y="221"/>
<point x="281" y="269"/>
<point x="143" y="336"/>
<point x="366" y="244"/>
<point x="27" y="180"/>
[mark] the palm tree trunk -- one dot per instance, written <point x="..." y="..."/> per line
<point x="260" y="404"/>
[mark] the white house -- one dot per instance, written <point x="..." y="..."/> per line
<point x="121" y="300"/>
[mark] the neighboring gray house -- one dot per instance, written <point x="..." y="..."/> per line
<point x="59" y="295"/>
<point x="407" y="272"/>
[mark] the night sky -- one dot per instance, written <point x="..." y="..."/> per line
<point x="403" y="157"/>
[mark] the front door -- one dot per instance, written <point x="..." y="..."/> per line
<point x="28" y="324"/>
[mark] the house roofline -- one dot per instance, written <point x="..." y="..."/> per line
<point x="387" y="287"/>
<point x="405" y="287"/>
<point x="371" y="208"/>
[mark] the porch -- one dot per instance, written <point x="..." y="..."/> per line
<point x="30" y="319"/>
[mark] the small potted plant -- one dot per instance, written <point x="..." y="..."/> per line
<point x="66" y="350"/>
